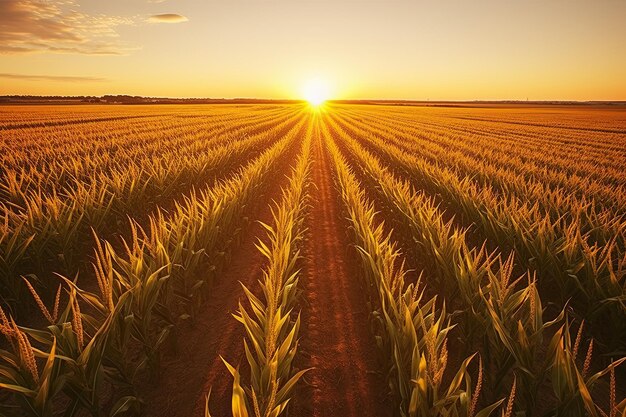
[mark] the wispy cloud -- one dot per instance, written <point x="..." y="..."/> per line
<point x="44" y="26"/>
<point x="64" y="78"/>
<point x="167" y="18"/>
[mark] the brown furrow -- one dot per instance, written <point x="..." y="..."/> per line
<point x="335" y="337"/>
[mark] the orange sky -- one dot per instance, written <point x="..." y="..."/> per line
<point x="437" y="50"/>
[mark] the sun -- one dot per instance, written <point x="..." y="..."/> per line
<point x="315" y="91"/>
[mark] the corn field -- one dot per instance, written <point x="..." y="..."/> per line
<point x="286" y="260"/>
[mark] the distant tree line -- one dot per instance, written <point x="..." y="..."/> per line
<point x="128" y="99"/>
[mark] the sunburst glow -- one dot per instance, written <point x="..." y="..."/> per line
<point x="315" y="91"/>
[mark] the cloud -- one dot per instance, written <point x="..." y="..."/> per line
<point x="63" y="78"/>
<point x="58" y="27"/>
<point x="167" y="18"/>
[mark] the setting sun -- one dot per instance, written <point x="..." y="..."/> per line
<point x="315" y="91"/>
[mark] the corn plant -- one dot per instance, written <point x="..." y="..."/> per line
<point x="573" y="383"/>
<point x="413" y="334"/>
<point x="271" y="330"/>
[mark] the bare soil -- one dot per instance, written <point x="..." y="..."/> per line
<point x="346" y="379"/>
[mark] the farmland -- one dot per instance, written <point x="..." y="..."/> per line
<point x="340" y="260"/>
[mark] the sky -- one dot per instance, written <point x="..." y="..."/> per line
<point x="386" y="49"/>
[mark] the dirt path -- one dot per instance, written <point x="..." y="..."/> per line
<point x="335" y="339"/>
<point x="188" y="374"/>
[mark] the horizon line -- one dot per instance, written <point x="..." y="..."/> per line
<point x="338" y="100"/>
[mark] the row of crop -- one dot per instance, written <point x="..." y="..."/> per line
<point x="566" y="144"/>
<point x="270" y="322"/>
<point x="159" y="165"/>
<point x="91" y="145"/>
<point x="27" y="117"/>
<point x="512" y="168"/>
<point x="512" y="175"/>
<point x="596" y="208"/>
<point x="411" y="332"/>
<point x="110" y="149"/>
<point x="578" y="121"/>
<point x="59" y="227"/>
<point x="92" y="137"/>
<point x="564" y="257"/>
<point x="501" y="317"/>
<point x="105" y="338"/>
